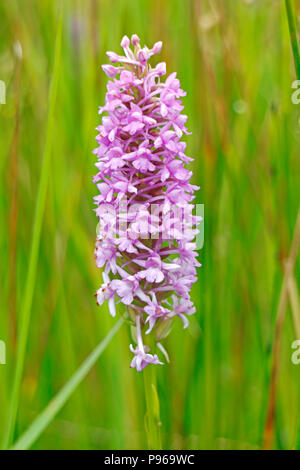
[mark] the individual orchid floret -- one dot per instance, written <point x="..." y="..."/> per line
<point x="135" y="40"/>
<point x="145" y="236"/>
<point x="141" y="358"/>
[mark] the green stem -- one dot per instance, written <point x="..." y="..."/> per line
<point x="152" y="420"/>
<point x="293" y="35"/>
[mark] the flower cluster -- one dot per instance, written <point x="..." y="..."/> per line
<point x="145" y="238"/>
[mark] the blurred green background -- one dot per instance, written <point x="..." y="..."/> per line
<point x="234" y="59"/>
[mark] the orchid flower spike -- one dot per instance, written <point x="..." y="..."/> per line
<point x="145" y="236"/>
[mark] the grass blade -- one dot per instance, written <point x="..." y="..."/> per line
<point x="56" y="404"/>
<point x="293" y="35"/>
<point x="280" y="317"/>
<point x="32" y="269"/>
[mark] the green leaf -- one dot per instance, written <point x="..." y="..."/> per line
<point x="45" y="417"/>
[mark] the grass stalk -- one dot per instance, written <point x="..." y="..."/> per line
<point x="280" y="316"/>
<point x="35" y="243"/>
<point x="13" y="216"/>
<point x="295" y="304"/>
<point x="293" y="34"/>
<point x="45" y="417"/>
